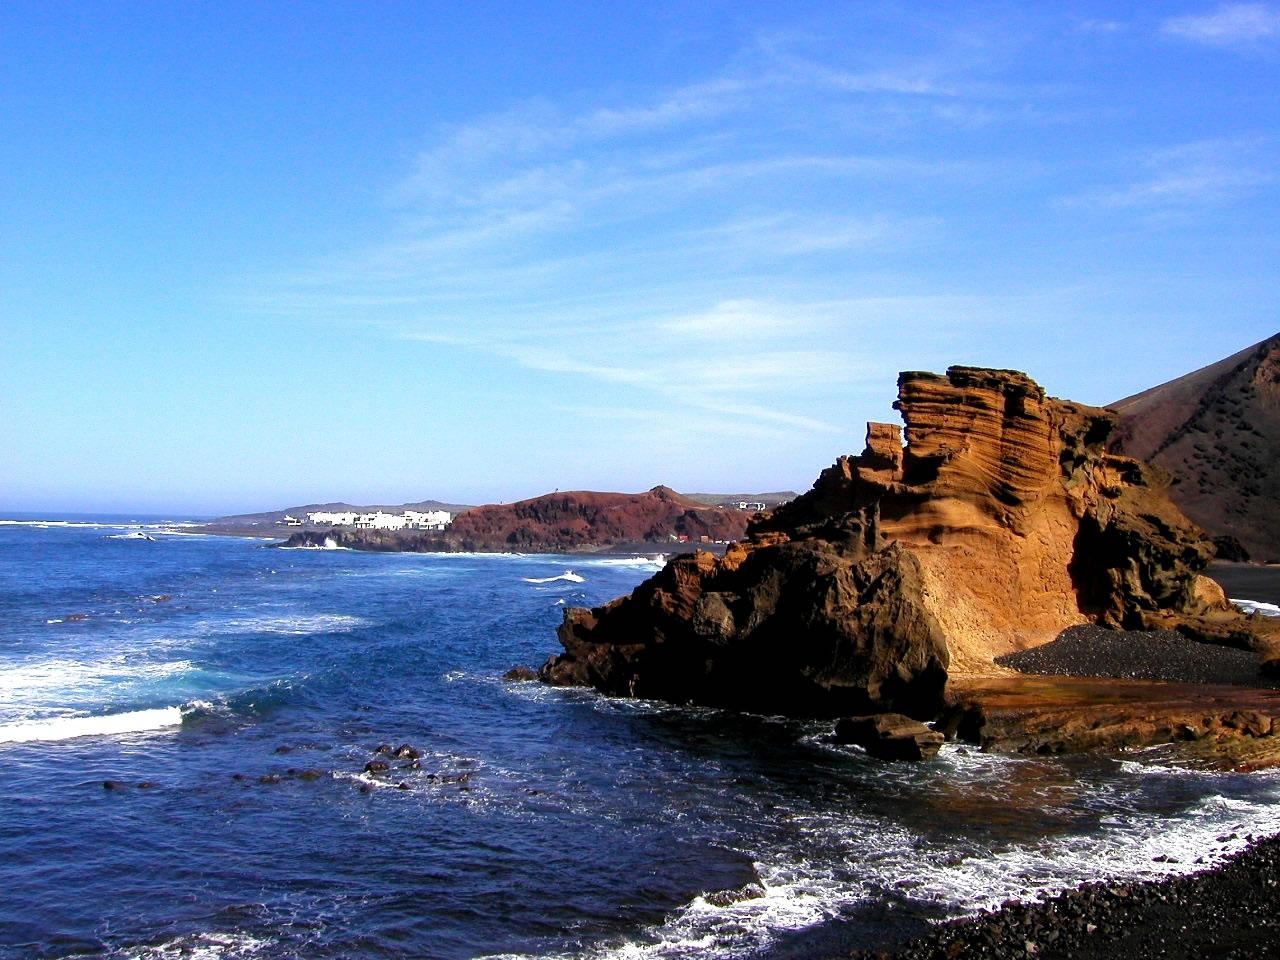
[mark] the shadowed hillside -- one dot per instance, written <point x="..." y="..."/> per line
<point x="1215" y="430"/>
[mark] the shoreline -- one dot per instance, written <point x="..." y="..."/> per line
<point x="1227" y="910"/>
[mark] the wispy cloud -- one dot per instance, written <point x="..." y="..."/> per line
<point x="1231" y="25"/>
<point x="1203" y="173"/>
<point x="709" y="247"/>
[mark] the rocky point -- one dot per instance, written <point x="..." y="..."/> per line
<point x="896" y="582"/>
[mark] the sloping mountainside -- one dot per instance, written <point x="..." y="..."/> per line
<point x="1217" y="432"/>
<point x="578" y="519"/>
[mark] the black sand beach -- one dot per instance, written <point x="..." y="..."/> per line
<point x="1231" y="911"/>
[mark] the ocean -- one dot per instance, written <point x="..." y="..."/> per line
<point x="214" y="748"/>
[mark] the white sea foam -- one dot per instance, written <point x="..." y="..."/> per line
<point x="655" y="562"/>
<point x="203" y="946"/>
<point x="841" y="859"/>
<point x="1257" y="606"/>
<point x="291" y="625"/>
<point x="568" y="576"/>
<point x="67" y="728"/>
<point x="329" y="544"/>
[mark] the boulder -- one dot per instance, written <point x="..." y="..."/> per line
<point x="890" y="736"/>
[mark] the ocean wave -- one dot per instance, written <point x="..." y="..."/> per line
<point x="1258" y="606"/>
<point x="568" y="576"/>
<point x="112" y="724"/>
<point x="201" y="946"/>
<point x="34" y="680"/>
<point x="656" y="562"/>
<point x="284" y="624"/>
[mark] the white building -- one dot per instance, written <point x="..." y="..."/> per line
<point x="379" y="521"/>
<point x="322" y="518"/>
<point x="412" y="519"/>
<point x="428" y="519"/>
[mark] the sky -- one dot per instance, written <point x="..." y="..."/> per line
<point x="262" y="254"/>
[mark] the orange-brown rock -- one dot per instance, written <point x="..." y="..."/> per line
<point x="1002" y="521"/>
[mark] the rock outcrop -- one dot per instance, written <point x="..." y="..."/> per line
<point x="578" y="519"/>
<point x="556" y="522"/>
<point x="1215" y="430"/>
<point x="1002" y="521"/>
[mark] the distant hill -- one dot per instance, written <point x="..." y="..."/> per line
<point x="566" y="521"/>
<point x="1217" y="431"/>
<point x="770" y="500"/>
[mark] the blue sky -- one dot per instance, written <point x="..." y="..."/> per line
<point x="261" y="254"/>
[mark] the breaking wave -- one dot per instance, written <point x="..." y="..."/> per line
<point x="112" y="724"/>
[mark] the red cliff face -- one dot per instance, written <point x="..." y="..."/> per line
<point x="1000" y="522"/>
<point x="566" y="521"/>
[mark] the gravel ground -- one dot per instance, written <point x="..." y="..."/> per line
<point x="1164" y="655"/>
<point x="1230" y="912"/>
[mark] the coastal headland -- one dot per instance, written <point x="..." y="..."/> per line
<point x="908" y="577"/>
<point x="659" y="520"/>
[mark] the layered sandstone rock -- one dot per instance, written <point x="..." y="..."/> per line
<point x="1001" y="521"/>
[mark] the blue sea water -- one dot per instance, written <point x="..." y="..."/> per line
<point x="185" y="724"/>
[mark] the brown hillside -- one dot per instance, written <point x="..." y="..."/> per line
<point x="565" y="521"/>
<point x="1215" y="430"/>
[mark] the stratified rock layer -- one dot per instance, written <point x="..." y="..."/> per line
<point x="1002" y="521"/>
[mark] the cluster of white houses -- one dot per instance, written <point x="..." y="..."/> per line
<point x="409" y="520"/>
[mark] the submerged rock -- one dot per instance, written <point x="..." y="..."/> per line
<point x="1002" y="521"/>
<point x="890" y="736"/>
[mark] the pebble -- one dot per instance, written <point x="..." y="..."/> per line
<point x="1090" y="651"/>
<point x="1229" y="912"/>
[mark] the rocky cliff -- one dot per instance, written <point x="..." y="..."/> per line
<point x="1215" y="430"/>
<point x="1001" y="520"/>
<point x="567" y="521"/>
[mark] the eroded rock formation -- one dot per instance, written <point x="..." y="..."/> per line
<point x="1001" y="521"/>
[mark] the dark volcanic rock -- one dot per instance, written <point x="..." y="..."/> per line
<point x="798" y="628"/>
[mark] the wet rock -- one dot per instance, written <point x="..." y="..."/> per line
<point x="726" y="898"/>
<point x="113" y="785"/>
<point x="377" y="766"/>
<point x="407" y="752"/>
<point x="520" y="675"/>
<point x="890" y="736"/>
